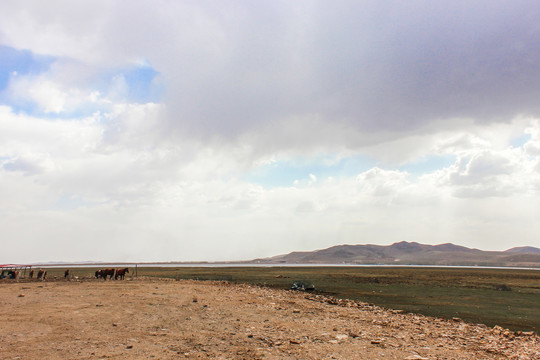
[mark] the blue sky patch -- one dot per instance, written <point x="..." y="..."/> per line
<point x="141" y="85"/>
<point x="428" y="164"/>
<point x="520" y="140"/>
<point x="285" y="172"/>
<point x="21" y="62"/>
<point x="138" y="85"/>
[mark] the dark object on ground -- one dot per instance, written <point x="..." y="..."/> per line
<point x="303" y="286"/>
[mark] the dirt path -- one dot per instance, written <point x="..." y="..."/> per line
<point x="160" y="319"/>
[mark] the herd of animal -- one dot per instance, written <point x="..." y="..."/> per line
<point x="118" y="274"/>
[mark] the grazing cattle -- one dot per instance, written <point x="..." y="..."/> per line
<point x="98" y="274"/>
<point x="66" y="274"/>
<point x="31" y="274"/>
<point x="121" y="273"/>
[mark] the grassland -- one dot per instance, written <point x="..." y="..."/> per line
<point x="505" y="297"/>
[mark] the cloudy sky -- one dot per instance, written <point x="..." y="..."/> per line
<point x="228" y="130"/>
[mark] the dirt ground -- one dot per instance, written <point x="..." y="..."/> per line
<point x="167" y="319"/>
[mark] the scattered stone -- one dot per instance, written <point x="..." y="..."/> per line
<point x="508" y="334"/>
<point x="497" y="330"/>
<point x="129" y="347"/>
<point x="21" y="295"/>
<point x="341" y="336"/>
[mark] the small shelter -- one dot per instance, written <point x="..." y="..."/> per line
<point x="14" y="271"/>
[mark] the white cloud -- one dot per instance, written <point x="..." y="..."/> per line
<point x="237" y="70"/>
<point x="247" y="85"/>
<point x="111" y="179"/>
<point x="382" y="183"/>
<point x="31" y="164"/>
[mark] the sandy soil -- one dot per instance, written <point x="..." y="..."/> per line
<point x="161" y="319"/>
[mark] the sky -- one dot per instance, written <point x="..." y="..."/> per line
<point x="231" y="130"/>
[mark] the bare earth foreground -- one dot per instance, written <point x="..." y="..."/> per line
<point x="167" y="319"/>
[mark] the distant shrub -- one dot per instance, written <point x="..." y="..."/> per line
<point x="503" y="287"/>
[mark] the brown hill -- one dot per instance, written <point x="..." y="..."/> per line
<point x="412" y="253"/>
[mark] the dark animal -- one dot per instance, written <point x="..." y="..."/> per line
<point x="107" y="272"/>
<point x="121" y="273"/>
<point x="66" y="274"/>
<point x="41" y="274"/>
<point x="98" y="274"/>
<point x="31" y="274"/>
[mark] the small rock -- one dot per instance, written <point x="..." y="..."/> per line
<point x="129" y="347"/>
<point x="296" y="311"/>
<point x="114" y="324"/>
<point x="508" y="334"/>
<point x="376" y="342"/>
<point x="21" y="295"/>
<point x="497" y="330"/>
<point x="416" y="357"/>
<point x="341" y="336"/>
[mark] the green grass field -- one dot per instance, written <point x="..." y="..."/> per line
<point x="505" y="297"/>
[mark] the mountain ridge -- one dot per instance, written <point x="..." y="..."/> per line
<point x="411" y="253"/>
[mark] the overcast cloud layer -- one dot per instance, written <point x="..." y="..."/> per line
<point x="148" y="130"/>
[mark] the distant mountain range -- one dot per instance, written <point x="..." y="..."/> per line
<point x="411" y="253"/>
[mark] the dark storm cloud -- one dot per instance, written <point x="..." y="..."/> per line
<point x="373" y="65"/>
